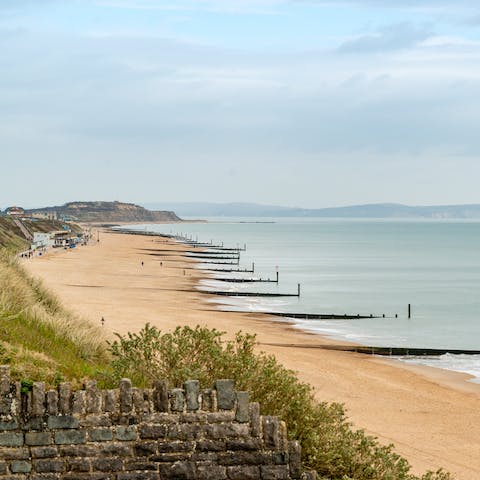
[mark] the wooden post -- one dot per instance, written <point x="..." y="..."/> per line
<point x="253" y="267"/>
<point x="277" y="277"/>
<point x="409" y="311"/>
<point x="298" y="290"/>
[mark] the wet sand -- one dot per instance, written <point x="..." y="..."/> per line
<point x="431" y="415"/>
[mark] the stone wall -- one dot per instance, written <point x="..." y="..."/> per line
<point x="140" y="434"/>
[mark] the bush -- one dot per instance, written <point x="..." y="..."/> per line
<point x="329" y="444"/>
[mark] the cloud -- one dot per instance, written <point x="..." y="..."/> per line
<point x="394" y="37"/>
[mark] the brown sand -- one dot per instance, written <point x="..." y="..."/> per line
<point x="432" y="416"/>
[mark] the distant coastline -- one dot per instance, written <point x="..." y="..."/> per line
<point x="378" y="210"/>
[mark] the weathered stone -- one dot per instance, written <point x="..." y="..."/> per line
<point x="126" y="401"/>
<point x="100" y="435"/>
<point x="209" y="400"/>
<point x="20" y="466"/>
<point x="79" y="450"/>
<point x="242" y="414"/>
<point x="225" y="430"/>
<point x="79" y="403"/>
<point x="245" y="458"/>
<point x="11" y="439"/>
<point x="145" y="449"/>
<point x="177" y="400"/>
<point x="62" y="422"/>
<point x="70" y="437"/>
<point x="126" y="434"/>
<point x="14" y="453"/>
<point x="64" y="398"/>
<point x="44" y="452"/>
<point x="110" y="400"/>
<point x="139" y="476"/>
<point x="211" y="472"/>
<point x="114" y="448"/>
<point x="192" y="392"/>
<point x="93" y="398"/>
<point x="96" y="420"/>
<point x="38" y="399"/>
<point x="178" y="471"/>
<point x="274" y="473"/>
<point x="3" y="468"/>
<point x="295" y="459"/>
<point x="225" y="394"/>
<point x="38" y="438"/>
<point x="4" y="380"/>
<point x="78" y="465"/>
<point x="193" y="417"/>
<point x="84" y="476"/>
<point x="243" y="473"/>
<point x="271" y="429"/>
<point x="160" y="396"/>
<point x="49" y="466"/>
<point x="52" y="402"/>
<point x="139" y="465"/>
<point x="107" y="464"/>
<point x="138" y="401"/>
<point x="255" y="421"/>
<point x="152" y="431"/>
<point x="9" y="425"/>
<point x="244" y="444"/>
<point x="211" y="445"/>
<point x="220" y="417"/>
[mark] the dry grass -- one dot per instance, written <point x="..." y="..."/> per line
<point x="39" y="337"/>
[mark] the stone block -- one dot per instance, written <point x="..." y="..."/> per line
<point x="211" y="472"/>
<point x="160" y="396"/>
<point x="209" y="400"/>
<point x="8" y="425"/>
<point x="225" y="394"/>
<point x="16" y="453"/>
<point x="79" y="403"/>
<point x="49" y="466"/>
<point x="107" y="464"/>
<point x="136" y="465"/>
<point x="38" y="438"/>
<point x="21" y="466"/>
<point x="52" y="402"/>
<point x="64" y="398"/>
<point x="178" y="471"/>
<point x="145" y="449"/>
<point x="177" y="400"/>
<point x="110" y="400"/>
<point x="3" y="468"/>
<point x="62" y="422"/>
<point x="138" y="476"/>
<point x="100" y="435"/>
<point x="271" y="429"/>
<point x="11" y="439"/>
<point x="126" y="400"/>
<point x="295" y="459"/>
<point x="126" y="434"/>
<point x="93" y="398"/>
<point x="44" y="452"/>
<point x="242" y="414"/>
<point x="78" y="465"/>
<point x="148" y="431"/>
<point x="255" y="420"/>
<point x="192" y="392"/>
<point x="69" y="437"/>
<point x="243" y="473"/>
<point x="274" y="473"/>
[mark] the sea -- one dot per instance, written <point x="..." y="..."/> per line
<point x="359" y="267"/>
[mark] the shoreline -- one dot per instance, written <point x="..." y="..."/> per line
<point x="426" y="414"/>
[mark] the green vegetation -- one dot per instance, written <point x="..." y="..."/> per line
<point x="38" y="338"/>
<point x="329" y="444"/>
<point x="11" y="237"/>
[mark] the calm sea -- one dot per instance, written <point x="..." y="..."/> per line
<point x="362" y="267"/>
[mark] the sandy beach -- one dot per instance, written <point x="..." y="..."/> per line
<point x="432" y="416"/>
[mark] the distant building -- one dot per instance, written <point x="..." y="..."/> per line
<point x="15" y="211"/>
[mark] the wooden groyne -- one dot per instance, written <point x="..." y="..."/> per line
<point x="320" y="316"/>
<point x="250" y="294"/>
<point x="230" y="270"/>
<point x="383" y="351"/>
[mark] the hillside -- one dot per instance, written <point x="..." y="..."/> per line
<point x="378" y="210"/>
<point x="105" y="212"/>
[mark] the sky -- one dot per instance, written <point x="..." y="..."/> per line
<point x="309" y="103"/>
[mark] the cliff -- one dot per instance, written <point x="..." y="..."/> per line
<point x="105" y="212"/>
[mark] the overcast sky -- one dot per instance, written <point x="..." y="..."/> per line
<point x="293" y="102"/>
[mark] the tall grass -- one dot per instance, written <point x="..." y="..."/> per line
<point x="38" y="337"/>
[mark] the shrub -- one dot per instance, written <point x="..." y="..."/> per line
<point x="329" y="444"/>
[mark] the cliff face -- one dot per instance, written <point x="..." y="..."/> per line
<point x="108" y="212"/>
